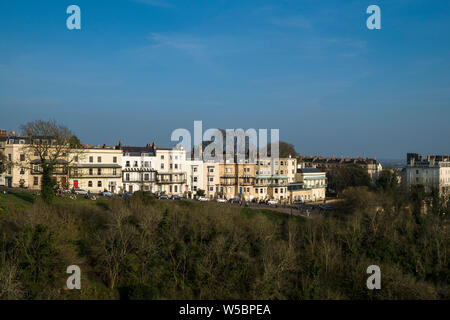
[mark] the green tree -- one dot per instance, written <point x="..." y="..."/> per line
<point x="387" y="182"/>
<point x="200" y="193"/>
<point x="287" y="149"/>
<point x="343" y="177"/>
<point x="3" y="162"/>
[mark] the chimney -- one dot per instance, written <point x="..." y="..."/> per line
<point x="120" y="144"/>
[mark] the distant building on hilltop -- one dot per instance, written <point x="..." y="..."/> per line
<point x="372" y="166"/>
<point x="432" y="172"/>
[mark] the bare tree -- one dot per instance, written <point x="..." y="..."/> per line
<point x="50" y="144"/>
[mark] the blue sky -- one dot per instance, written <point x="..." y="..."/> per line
<point x="138" y="69"/>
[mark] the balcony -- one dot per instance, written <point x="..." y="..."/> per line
<point x="164" y="181"/>
<point x="228" y="182"/>
<point x="171" y="178"/>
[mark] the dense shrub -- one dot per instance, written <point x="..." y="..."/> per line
<point x="146" y="249"/>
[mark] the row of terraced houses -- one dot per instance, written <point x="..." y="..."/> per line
<point x="127" y="169"/>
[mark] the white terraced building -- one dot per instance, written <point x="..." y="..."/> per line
<point x="171" y="167"/>
<point x="139" y="169"/>
<point x="432" y="172"/>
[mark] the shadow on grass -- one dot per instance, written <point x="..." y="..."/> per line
<point x="24" y="196"/>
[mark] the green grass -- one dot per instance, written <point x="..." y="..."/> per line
<point x="275" y="216"/>
<point x="16" y="199"/>
<point x="21" y="199"/>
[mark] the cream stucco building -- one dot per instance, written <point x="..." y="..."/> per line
<point x="96" y="169"/>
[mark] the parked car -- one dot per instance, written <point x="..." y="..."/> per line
<point x="106" y="194"/>
<point x="203" y="199"/>
<point x="325" y="207"/>
<point x="164" y="197"/>
<point x="222" y="200"/>
<point x="80" y="192"/>
<point x="175" y="197"/>
<point x="127" y="194"/>
<point x="235" y="200"/>
<point x="272" y="202"/>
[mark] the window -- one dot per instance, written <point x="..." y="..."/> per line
<point x="114" y="159"/>
<point x="195" y="179"/>
<point x="146" y="177"/>
<point x="91" y="159"/>
<point x="90" y="184"/>
<point x="194" y="188"/>
<point x="211" y="170"/>
<point x="35" y="181"/>
<point x="99" y="171"/>
<point x="127" y="164"/>
<point x="9" y="157"/>
<point x="276" y="190"/>
<point x="22" y="171"/>
<point x="171" y="166"/>
<point x="175" y="188"/>
<point x="176" y="166"/>
<point x="211" y="179"/>
<point x="22" y="157"/>
<point x="162" y="157"/>
<point x="146" y="164"/>
<point x="114" y="171"/>
<point x="99" y="159"/>
<point x="99" y="184"/>
<point x="162" y="165"/>
<point x="75" y="158"/>
<point x="211" y="188"/>
<point x="135" y="164"/>
<point x="91" y="171"/>
<point x="195" y="169"/>
<point x="127" y="177"/>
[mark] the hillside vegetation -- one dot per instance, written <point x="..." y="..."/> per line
<point x="139" y="248"/>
